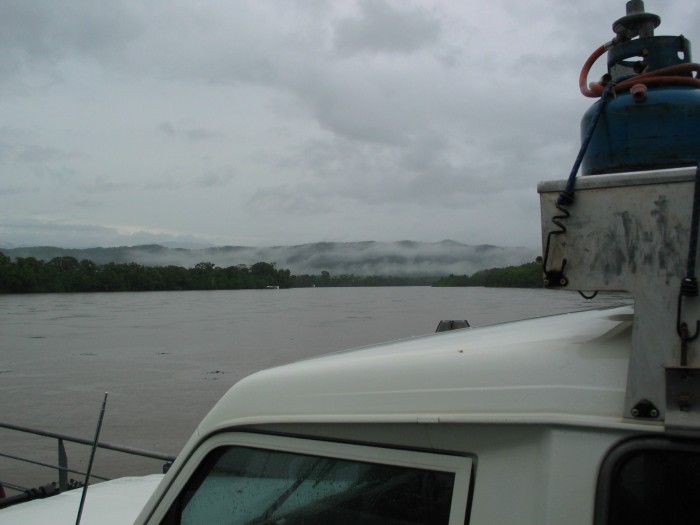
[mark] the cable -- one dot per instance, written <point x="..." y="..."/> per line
<point x="667" y="76"/>
<point x="566" y="197"/>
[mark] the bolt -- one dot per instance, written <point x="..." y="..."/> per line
<point x="639" y="92"/>
<point x="635" y="412"/>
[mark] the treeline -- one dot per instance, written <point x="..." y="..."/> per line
<point x="328" y="280"/>
<point x="524" y="276"/>
<point x="67" y="274"/>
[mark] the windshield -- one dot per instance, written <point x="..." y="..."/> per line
<point x="242" y="485"/>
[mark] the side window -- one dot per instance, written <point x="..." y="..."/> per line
<point x="650" y="481"/>
<point x="248" y="485"/>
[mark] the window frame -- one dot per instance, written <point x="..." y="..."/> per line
<point x="619" y="453"/>
<point x="459" y="465"/>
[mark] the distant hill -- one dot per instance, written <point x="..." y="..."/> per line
<point x="401" y="258"/>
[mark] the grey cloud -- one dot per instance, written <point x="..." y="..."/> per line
<point x="197" y="134"/>
<point x="381" y="26"/>
<point x="433" y="170"/>
<point x="102" y="185"/>
<point x="378" y="103"/>
<point x="15" y="190"/>
<point x="87" y="203"/>
<point x="5" y="151"/>
<point x="359" y="119"/>
<point x="46" y="32"/>
<point x="373" y="106"/>
<point x="339" y="116"/>
<point x="213" y="44"/>
<point x="226" y="66"/>
<point x="216" y="178"/>
<point x="38" y="154"/>
<point x="423" y="176"/>
<point x="166" y="128"/>
<point x="162" y="184"/>
<point x="301" y="199"/>
<point x="40" y="161"/>
<point x="60" y="173"/>
<point x="193" y="134"/>
<point x="34" y="232"/>
<point x="10" y="133"/>
<point x="212" y="178"/>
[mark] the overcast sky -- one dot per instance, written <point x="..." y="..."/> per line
<point x="284" y="122"/>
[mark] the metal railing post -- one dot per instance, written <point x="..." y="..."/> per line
<point x="63" y="467"/>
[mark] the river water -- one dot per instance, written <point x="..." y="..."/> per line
<point x="166" y="357"/>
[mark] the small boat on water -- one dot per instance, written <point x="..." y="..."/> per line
<point x="592" y="417"/>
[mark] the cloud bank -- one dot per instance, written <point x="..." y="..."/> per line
<point x="254" y="123"/>
<point x="403" y="258"/>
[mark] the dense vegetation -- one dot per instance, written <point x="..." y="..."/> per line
<point x="524" y="276"/>
<point x="67" y="274"/>
<point x="326" y="279"/>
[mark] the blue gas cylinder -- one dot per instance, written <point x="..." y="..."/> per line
<point x="659" y="129"/>
<point x="651" y="119"/>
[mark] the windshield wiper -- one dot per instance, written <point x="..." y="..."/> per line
<point x="282" y="498"/>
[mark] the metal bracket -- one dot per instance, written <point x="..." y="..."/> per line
<point x="683" y="400"/>
<point x="555" y="278"/>
<point x="645" y="409"/>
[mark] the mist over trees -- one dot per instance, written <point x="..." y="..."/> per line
<point x="67" y="274"/>
<point x="368" y="258"/>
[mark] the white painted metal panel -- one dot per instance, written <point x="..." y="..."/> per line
<point x="566" y="369"/>
<point x="115" y="502"/>
<point x="630" y="232"/>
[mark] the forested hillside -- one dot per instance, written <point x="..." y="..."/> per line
<point x="524" y="276"/>
<point x="67" y="274"/>
<point x="369" y="258"/>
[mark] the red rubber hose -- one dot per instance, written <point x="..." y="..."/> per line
<point x="668" y="76"/>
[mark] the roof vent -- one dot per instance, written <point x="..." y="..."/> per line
<point x="444" y="325"/>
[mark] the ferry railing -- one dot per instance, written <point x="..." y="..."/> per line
<point x="62" y="462"/>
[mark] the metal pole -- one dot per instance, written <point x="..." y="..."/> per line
<point x="63" y="466"/>
<point x="92" y="458"/>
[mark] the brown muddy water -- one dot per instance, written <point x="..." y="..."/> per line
<point x="166" y="357"/>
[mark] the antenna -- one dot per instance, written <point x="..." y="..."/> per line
<point x="92" y="458"/>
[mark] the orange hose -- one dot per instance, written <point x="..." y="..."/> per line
<point x="583" y="77"/>
<point x="668" y="76"/>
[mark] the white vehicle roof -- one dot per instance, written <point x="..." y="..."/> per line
<point x="564" y="369"/>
